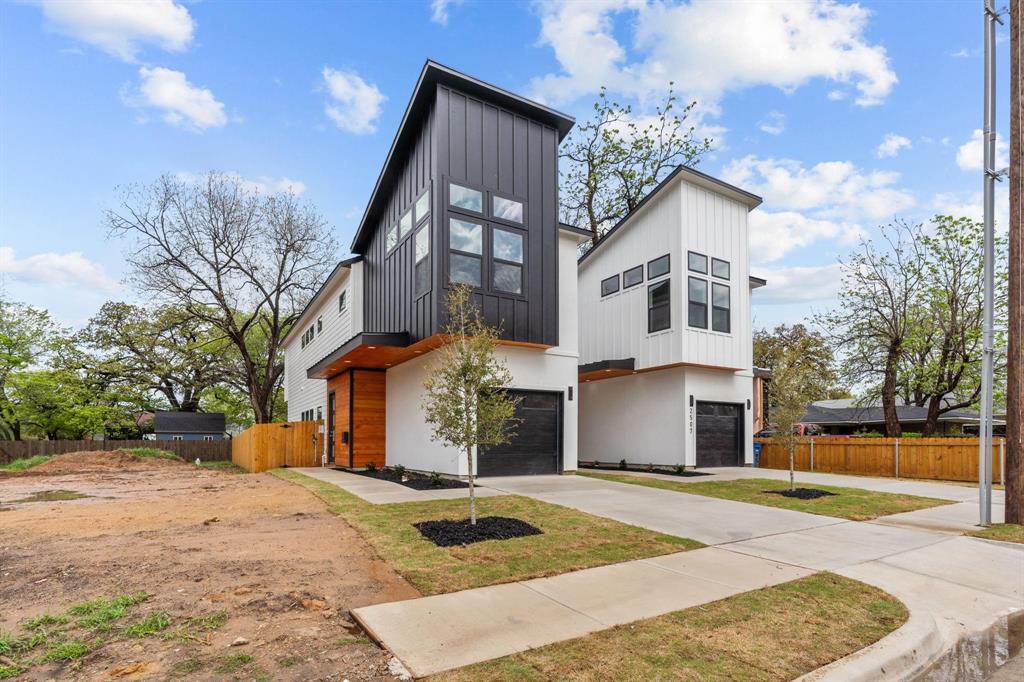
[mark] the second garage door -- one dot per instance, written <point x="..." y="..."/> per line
<point x="536" y="447"/>
<point x="719" y="435"/>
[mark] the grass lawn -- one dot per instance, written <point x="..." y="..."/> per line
<point x="571" y="540"/>
<point x="152" y="452"/>
<point x="1007" y="532"/>
<point x="777" y="633"/>
<point x="25" y="463"/>
<point x="854" y="504"/>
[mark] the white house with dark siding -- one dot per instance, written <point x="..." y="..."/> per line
<point x="666" y="372"/>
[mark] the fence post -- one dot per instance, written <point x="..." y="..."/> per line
<point x="812" y="453"/>
<point x="897" y="458"/>
<point x="1002" y="461"/>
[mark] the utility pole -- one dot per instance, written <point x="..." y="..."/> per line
<point x="990" y="174"/>
<point x="1014" y="461"/>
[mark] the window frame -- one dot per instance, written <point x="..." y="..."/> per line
<point x="690" y="301"/>
<point x="482" y="224"/>
<point x="319" y="324"/>
<point x="637" y="283"/>
<point x="491" y="196"/>
<point x="668" y="259"/>
<point x="417" y="261"/>
<point x="448" y="182"/>
<point x="728" y="310"/>
<point x="416" y="217"/>
<point x="728" y="268"/>
<point x="689" y="268"/>
<point x="667" y="284"/>
<point x="343" y="301"/>
<point x="389" y="246"/>
<point x="617" y="277"/>
<point x="494" y="260"/>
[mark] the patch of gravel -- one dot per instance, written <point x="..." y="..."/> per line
<point x="447" y="533"/>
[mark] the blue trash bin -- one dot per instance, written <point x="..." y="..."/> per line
<point x="757" y="454"/>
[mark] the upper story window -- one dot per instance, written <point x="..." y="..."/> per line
<point x="405" y="224"/>
<point x="610" y="285"/>
<point x="720" y="318"/>
<point x="697" y="262"/>
<point x="507" y="209"/>
<point x="632" y="277"/>
<point x="697" y="308"/>
<point x="319" y="325"/>
<point x="422" y="259"/>
<point x="659" y="309"/>
<point x="422" y="207"/>
<point x="465" y="241"/>
<point x="392" y="237"/>
<point x="342" y="301"/>
<point x="658" y="267"/>
<point x="507" y="252"/>
<point x="466" y="198"/>
<point x="720" y="268"/>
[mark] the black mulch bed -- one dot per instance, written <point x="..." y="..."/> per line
<point x="447" y="533"/>
<point x="414" y="481"/>
<point x="803" y="493"/>
<point x="685" y="473"/>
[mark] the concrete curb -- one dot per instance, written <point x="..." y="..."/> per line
<point x="898" y="656"/>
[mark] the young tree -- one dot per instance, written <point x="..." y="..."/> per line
<point x="611" y="162"/>
<point x="877" y="312"/>
<point x="793" y="386"/>
<point x="796" y="343"/>
<point x="465" y="401"/>
<point x="241" y="262"/>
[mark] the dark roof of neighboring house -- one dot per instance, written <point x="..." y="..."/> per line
<point x="435" y="74"/>
<point x="347" y="263"/>
<point x="751" y="200"/>
<point x="873" y="414"/>
<point x="762" y="373"/>
<point x="189" y="422"/>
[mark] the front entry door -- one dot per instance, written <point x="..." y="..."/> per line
<point x="331" y="419"/>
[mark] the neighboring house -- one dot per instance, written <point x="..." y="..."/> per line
<point x="845" y="416"/>
<point x="468" y="193"/>
<point x="666" y="372"/>
<point x="188" y="426"/>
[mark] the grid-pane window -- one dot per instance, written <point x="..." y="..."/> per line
<point x="720" y="321"/>
<point x="659" y="310"/>
<point x="609" y="285"/>
<point x="632" y="277"/>
<point x="466" y="198"/>
<point x="697" y="308"/>
<point x="465" y="240"/>
<point x="405" y="224"/>
<point x="422" y="207"/>
<point x="507" y="209"/>
<point x="658" y="267"/>
<point x="697" y="262"/>
<point x="392" y="237"/>
<point x="507" y="253"/>
<point x="720" y="268"/>
<point x="423" y="259"/>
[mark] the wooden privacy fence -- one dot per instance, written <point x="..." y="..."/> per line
<point x="206" y="450"/>
<point x="269" y="446"/>
<point x="948" y="459"/>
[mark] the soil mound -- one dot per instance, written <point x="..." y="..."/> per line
<point x="98" y="461"/>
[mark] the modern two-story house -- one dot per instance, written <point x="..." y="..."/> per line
<point x="666" y="372"/>
<point x="468" y="194"/>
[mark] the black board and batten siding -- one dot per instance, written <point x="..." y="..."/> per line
<point x="483" y="145"/>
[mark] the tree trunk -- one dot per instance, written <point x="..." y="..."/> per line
<point x="931" y="422"/>
<point x="472" y="491"/>
<point x="892" y="421"/>
<point x="1014" y="451"/>
<point x="792" y="465"/>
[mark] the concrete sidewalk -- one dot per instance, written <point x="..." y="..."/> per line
<point x="446" y="631"/>
<point x="376" y="491"/>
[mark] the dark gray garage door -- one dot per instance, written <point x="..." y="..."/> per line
<point x="719" y="435"/>
<point x="536" y="447"/>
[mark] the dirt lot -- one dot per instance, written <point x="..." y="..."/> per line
<point x="253" y="552"/>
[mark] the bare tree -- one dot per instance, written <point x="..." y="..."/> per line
<point x="242" y="262"/>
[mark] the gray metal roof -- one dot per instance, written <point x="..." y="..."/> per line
<point x="188" y="422"/>
<point x="873" y="414"/>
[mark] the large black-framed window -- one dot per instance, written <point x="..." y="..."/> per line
<point x="658" y="267"/>
<point x="720" y="307"/>
<point x="391" y="238"/>
<point x="659" y="308"/>
<point x="697" y="262"/>
<point x="632" y="277"/>
<point x="610" y="285"/>
<point x="465" y="198"/>
<point x="466" y="248"/>
<point x="507" y="249"/>
<point x="697" y="302"/>
<point x="720" y="268"/>
<point x="421" y="209"/>
<point x="422" y="265"/>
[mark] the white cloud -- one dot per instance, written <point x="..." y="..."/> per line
<point x="773" y="235"/>
<point x="891" y="145"/>
<point x="439" y="10"/>
<point x="970" y="206"/>
<point x="69" y="270"/>
<point x="710" y="47"/>
<point x="962" y="53"/>
<point x="836" y="95"/>
<point x="121" y="27"/>
<point x="774" y="123"/>
<point x="799" y="284"/>
<point x="970" y="156"/>
<point x="828" y="189"/>
<point x="181" y="103"/>
<point x="262" y="184"/>
<point x="355" y="104"/>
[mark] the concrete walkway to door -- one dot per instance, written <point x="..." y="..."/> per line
<point x="951" y="584"/>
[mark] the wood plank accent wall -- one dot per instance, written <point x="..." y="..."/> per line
<point x="948" y="459"/>
<point x="340" y="384"/>
<point x="269" y="446"/>
<point x="369" y="393"/>
<point x="216" y="450"/>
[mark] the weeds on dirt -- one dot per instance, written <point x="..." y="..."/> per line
<point x="223" y="465"/>
<point x="152" y="452"/>
<point x="9" y="671"/>
<point x="150" y="625"/>
<point x="289" y="661"/>
<point x="192" y="664"/>
<point x="43" y="621"/>
<point x="232" y="663"/>
<point x="26" y="463"/>
<point x="192" y="628"/>
<point x="100" y="613"/>
<point x="68" y="651"/>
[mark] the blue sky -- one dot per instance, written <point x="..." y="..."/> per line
<point x="841" y="115"/>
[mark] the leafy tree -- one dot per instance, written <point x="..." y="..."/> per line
<point x="611" y="162"/>
<point x="465" y="401"/>
<point x="243" y="263"/>
<point x="61" y="404"/>
<point x="810" y="349"/>
<point x="27" y="334"/>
